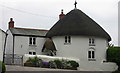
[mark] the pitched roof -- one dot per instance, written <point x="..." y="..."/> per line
<point x="28" y="32"/>
<point x="49" y="45"/>
<point x="77" y="23"/>
<point x="3" y="31"/>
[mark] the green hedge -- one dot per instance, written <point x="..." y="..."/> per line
<point x="3" y="67"/>
<point x="113" y="55"/>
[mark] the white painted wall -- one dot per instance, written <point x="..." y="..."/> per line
<point x="79" y="49"/>
<point x="9" y="43"/>
<point x="2" y="40"/>
<point x="22" y="45"/>
<point x="119" y="24"/>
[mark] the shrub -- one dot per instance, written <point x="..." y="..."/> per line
<point x="35" y="61"/>
<point x="74" y="64"/>
<point x="46" y="64"/>
<point x="3" y="67"/>
<point x="52" y="64"/>
<point x="113" y="55"/>
<point x="58" y="63"/>
<point x="63" y="64"/>
<point x="116" y="71"/>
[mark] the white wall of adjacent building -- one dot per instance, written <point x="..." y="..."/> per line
<point x="2" y="40"/>
<point x="119" y="24"/>
<point x="22" y="46"/>
<point x="79" y="47"/>
<point x="9" y="43"/>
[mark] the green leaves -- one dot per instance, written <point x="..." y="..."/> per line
<point x="113" y="55"/>
<point x="3" y="67"/>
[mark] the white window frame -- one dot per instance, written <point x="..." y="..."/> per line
<point x="32" y="41"/>
<point x="67" y="40"/>
<point x="91" y="42"/>
<point x="32" y="53"/>
<point x="91" y="54"/>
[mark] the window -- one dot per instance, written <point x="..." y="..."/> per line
<point x="32" y="53"/>
<point x="92" y="41"/>
<point x="67" y="39"/>
<point x="91" y="55"/>
<point x="32" y="41"/>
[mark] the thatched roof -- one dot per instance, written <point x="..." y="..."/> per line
<point x="77" y="23"/>
<point x="49" y="45"/>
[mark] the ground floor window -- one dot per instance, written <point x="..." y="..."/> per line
<point x="32" y="53"/>
<point x="91" y="54"/>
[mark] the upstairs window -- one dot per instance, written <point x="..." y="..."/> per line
<point x="67" y="39"/>
<point x="91" y="41"/>
<point x="32" y="40"/>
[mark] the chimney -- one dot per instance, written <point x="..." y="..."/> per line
<point x="61" y="15"/>
<point x="11" y="23"/>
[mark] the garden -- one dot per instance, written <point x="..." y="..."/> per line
<point x="56" y="64"/>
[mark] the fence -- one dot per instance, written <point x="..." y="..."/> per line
<point x="10" y="59"/>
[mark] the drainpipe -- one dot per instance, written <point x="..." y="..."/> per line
<point x="4" y="48"/>
<point x="13" y="49"/>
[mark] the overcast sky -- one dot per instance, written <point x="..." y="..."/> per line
<point x="43" y="14"/>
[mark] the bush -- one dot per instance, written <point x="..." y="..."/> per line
<point x="58" y="63"/>
<point x="46" y="64"/>
<point x="3" y="67"/>
<point x="74" y="64"/>
<point x="35" y="61"/>
<point x="113" y="55"/>
<point x="52" y="64"/>
<point x="116" y="71"/>
<point x="64" y="64"/>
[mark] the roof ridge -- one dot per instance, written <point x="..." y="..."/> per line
<point x="31" y="29"/>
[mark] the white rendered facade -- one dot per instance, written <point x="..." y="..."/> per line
<point x="119" y="24"/>
<point x="21" y="44"/>
<point x="79" y="47"/>
<point x="2" y="41"/>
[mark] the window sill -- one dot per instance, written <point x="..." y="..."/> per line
<point x="91" y="44"/>
<point x="67" y="43"/>
<point x="91" y="59"/>
<point x="33" y="45"/>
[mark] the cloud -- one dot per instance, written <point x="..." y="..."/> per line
<point x="39" y="13"/>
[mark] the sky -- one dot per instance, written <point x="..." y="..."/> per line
<point x="43" y="14"/>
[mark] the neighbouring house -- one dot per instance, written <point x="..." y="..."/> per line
<point x="2" y="42"/>
<point x="119" y="23"/>
<point x="22" y="41"/>
<point x="76" y="35"/>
